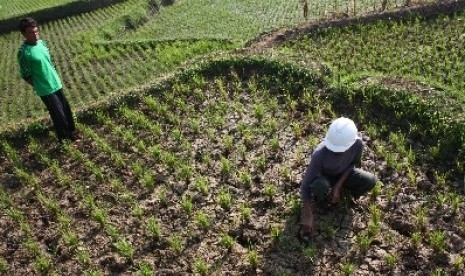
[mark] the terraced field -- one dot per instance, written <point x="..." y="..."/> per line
<point x="198" y="171"/>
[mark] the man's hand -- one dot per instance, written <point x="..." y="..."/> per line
<point x="307" y="226"/>
<point x="335" y="196"/>
<point x="307" y="218"/>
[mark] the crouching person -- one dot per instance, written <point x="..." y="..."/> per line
<point x="333" y="167"/>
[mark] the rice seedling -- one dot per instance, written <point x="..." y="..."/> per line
<point x="438" y="272"/>
<point x="124" y="248"/>
<point x="225" y="199"/>
<point x="459" y="263"/>
<point x="246" y="211"/>
<point x="153" y="228"/>
<point x="145" y="269"/>
<point x="270" y="191"/>
<point x="201" y="267"/>
<point x="391" y="259"/>
<point x="275" y="233"/>
<point x="225" y="167"/>
<point x="416" y="239"/>
<point x="42" y="264"/>
<point x="348" y="269"/>
<point x="437" y="239"/>
<point x="175" y="242"/>
<point x="201" y="183"/>
<point x="227" y="241"/>
<point x="310" y="252"/>
<point x="274" y="144"/>
<point x="245" y="178"/>
<point x="70" y="238"/>
<point x="3" y="266"/>
<point x="364" y="242"/>
<point x="185" y="172"/>
<point x="252" y="257"/>
<point x="260" y="162"/>
<point x="202" y="220"/>
<point x="187" y="204"/>
<point x="421" y="217"/>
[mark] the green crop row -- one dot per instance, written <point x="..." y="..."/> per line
<point x="13" y="8"/>
<point x="428" y="50"/>
<point x="93" y="67"/>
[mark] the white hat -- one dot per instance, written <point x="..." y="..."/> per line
<point x="341" y="135"/>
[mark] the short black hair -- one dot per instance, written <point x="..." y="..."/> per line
<point x="25" y="23"/>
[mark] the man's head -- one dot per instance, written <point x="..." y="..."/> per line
<point x="29" y="29"/>
<point x="341" y="135"/>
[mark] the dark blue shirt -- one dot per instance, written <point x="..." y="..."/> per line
<point x="324" y="162"/>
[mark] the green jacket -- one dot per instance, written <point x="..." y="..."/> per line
<point x="35" y="62"/>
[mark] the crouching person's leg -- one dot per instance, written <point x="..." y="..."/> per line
<point x="360" y="182"/>
<point x="319" y="188"/>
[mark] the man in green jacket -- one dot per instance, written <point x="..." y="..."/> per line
<point x="36" y="68"/>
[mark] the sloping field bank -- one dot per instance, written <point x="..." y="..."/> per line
<point x="109" y="50"/>
<point x="201" y="174"/>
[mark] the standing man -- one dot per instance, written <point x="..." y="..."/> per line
<point x="332" y="167"/>
<point x="36" y="68"/>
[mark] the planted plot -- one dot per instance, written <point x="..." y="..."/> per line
<point x="427" y="50"/>
<point x="14" y="8"/>
<point x="201" y="175"/>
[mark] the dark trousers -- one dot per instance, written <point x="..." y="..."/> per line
<point x="60" y="112"/>
<point x="357" y="183"/>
